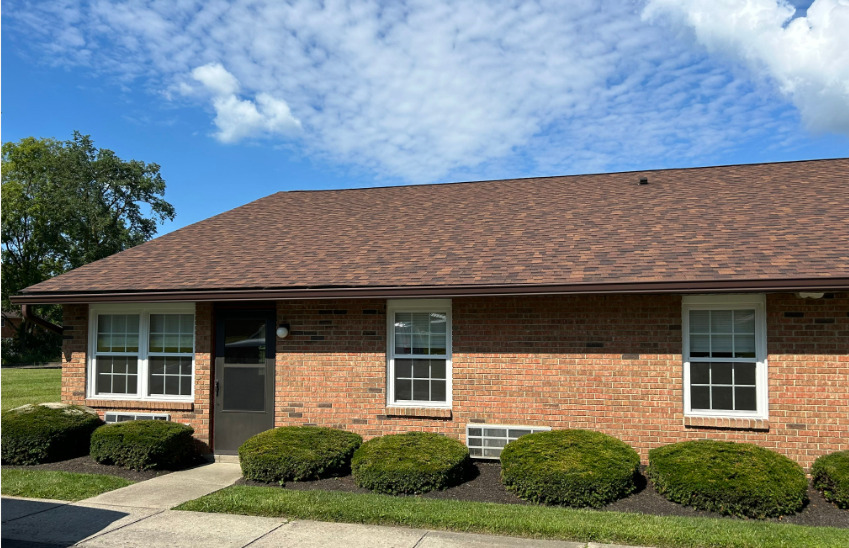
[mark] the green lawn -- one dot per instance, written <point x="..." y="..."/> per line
<point x="21" y="386"/>
<point x="50" y="484"/>
<point x="514" y="520"/>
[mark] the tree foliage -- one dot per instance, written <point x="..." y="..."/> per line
<point x="68" y="203"/>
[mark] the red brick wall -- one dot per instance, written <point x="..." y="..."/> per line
<point x="608" y="363"/>
<point x="197" y="414"/>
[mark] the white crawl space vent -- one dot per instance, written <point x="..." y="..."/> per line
<point x="485" y="441"/>
<point x="124" y="417"/>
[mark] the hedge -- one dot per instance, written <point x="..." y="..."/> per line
<point x="569" y="467"/>
<point x="34" y="434"/>
<point x="831" y="476"/>
<point x="144" y="445"/>
<point x="415" y="462"/>
<point x="739" y="479"/>
<point x="297" y="453"/>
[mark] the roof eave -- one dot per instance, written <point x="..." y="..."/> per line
<point x="208" y="295"/>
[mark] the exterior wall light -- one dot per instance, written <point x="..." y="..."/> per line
<point x="803" y="295"/>
<point x="282" y="331"/>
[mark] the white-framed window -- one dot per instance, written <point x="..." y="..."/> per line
<point x="725" y="366"/>
<point x="141" y="352"/>
<point x="419" y="352"/>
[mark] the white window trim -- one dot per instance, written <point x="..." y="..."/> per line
<point x="729" y="302"/>
<point x="417" y="305"/>
<point x="144" y="311"/>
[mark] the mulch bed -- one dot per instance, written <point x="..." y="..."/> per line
<point x="87" y="465"/>
<point x="485" y="486"/>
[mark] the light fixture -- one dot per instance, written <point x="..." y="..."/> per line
<point x="282" y="331"/>
<point x="803" y="295"/>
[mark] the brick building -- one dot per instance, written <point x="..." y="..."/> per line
<point x="656" y="306"/>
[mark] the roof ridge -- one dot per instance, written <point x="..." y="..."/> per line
<point x="539" y="177"/>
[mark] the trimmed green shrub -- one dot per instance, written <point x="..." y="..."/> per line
<point x="569" y="467"/>
<point x="144" y="445"/>
<point x="297" y="453"/>
<point x="33" y="434"/>
<point x="415" y="462"/>
<point x="831" y="476"/>
<point x="738" y="479"/>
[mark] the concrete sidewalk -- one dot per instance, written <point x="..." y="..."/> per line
<point x="140" y="515"/>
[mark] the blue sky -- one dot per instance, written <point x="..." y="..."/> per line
<point x="237" y="100"/>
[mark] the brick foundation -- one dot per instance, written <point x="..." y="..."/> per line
<point x="604" y="362"/>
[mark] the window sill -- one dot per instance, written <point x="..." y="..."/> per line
<point x="726" y="423"/>
<point x="143" y="405"/>
<point x="421" y="412"/>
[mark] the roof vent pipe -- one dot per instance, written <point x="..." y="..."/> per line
<point x="644" y="180"/>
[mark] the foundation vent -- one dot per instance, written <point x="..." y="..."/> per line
<point x="485" y="441"/>
<point x="124" y="417"/>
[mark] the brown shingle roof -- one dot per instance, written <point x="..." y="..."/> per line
<point x="782" y="221"/>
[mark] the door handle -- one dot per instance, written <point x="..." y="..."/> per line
<point x="217" y="388"/>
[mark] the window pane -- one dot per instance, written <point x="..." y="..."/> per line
<point x="496" y="432"/>
<point x="104" y="342"/>
<point x="721" y="373"/>
<point x="403" y="368"/>
<point x="132" y="343"/>
<point x="495" y="442"/>
<point x="721" y="321"/>
<point x="437" y="369"/>
<point x="474" y="431"/>
<point x="245" y="342"/>
<point x="699" y="321"/>
<point x="744" y="321"/>
<point x="421" y="369"/>
<point x="700" y="346"/>
<point x="744" y="373"/>
<point x="243" y="389"/>
<point x="722" y="398"/>
<point x="157" y="384"/>
<point x="516" y="433"/>
<point x="421" y="390"/>
<point x="700" y="373"/>
<point x="185" y="385"/>
<point x="403" y="389"/>
<point x="744" y="346"/>
<point x="721" y="346"/>
<point x="186" y="343"/>
<point x="119" y="384"/>
<point x="104" y="382"/>
<point x="437" y="389"/>
<point x="745" y="399"/>
<point x="172" y="384"/>
<point x="700" y="397"/>
<point x="420" y="333"/>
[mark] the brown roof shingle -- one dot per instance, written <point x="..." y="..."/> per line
<point x="778" y="221"/>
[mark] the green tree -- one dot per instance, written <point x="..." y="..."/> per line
<point x="68" y="203"/>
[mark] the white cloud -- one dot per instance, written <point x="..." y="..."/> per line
<point x="807" y="57"/>
<point x="237" y="118"/>
<point x="429" y="90"/>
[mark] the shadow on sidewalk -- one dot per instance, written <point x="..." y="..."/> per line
<point x="33" y="524"/>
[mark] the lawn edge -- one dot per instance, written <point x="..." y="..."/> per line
<point x="577" y="525"/>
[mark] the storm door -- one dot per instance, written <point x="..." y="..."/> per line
<point x="244" y="376"/>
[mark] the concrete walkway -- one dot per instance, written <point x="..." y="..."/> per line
<point x="140" y="515"/>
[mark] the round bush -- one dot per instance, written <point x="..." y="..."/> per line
<point x="569" y="467"/>
<point x="297" y="453"/>
<point x="415" y="462"/>
<point x="144" y="445"/>
<point x="739" y="479"/>
<point x="33" y="434"/>
<point x="831" y="476"/>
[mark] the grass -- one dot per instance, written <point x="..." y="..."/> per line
<point x="50" y="484"/>
<point x="515" y="520"/>
<point x="22" y="386"/>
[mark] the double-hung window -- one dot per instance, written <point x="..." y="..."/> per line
<point x="419" y="353"/>
<point x="725" y="369"/>
<point x="141" y="352"/>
